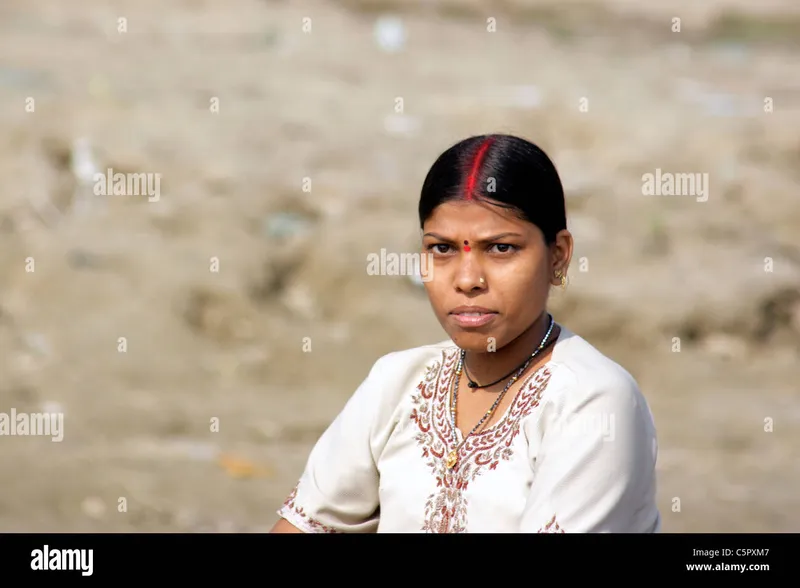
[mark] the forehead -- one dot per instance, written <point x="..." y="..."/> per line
<point x="476" y="217"/>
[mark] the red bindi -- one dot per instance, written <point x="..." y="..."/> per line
<point x="466" y="246"/>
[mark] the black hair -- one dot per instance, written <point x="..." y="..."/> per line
<point x="503" y="170"/>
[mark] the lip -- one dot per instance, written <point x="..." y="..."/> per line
<point x="484" y="317"/>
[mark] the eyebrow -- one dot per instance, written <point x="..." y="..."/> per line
<point x="484" y="240"/>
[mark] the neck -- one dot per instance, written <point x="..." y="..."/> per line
<point x="486" y="367"/>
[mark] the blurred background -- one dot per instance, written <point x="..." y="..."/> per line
<point x="199" y="345"/>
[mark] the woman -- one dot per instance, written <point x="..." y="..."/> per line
<point x="514" y="424"/>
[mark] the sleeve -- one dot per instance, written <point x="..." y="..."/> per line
<point x="338" y="490"/>
<point x="595" y="469"/>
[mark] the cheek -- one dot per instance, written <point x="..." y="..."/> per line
<point x="436" y="296"/>
<point x="523" y="285"/>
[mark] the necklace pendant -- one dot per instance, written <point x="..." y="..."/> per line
<point x="452" y="459"/>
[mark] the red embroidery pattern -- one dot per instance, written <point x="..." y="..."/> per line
<point x="551" y="527"/>
<point x="446" y="509"/>
<point x="295" y="515"/>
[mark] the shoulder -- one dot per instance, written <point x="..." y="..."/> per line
<point x="395" y="374"/>
<point x="393" y="378"/>
<point x="598" y="403"/>
<point x="591" y="379"/>
<point x="408" y="366"/>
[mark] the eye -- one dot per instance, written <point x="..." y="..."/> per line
<point x="504" y="247"/>
<point x="436" y="248"/>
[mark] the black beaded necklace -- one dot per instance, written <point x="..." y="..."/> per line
<point x="473" y="384"/>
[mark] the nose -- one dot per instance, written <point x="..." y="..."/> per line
<point x="470" y="277"/>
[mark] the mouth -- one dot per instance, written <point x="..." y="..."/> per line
<point x="472" y="316"/>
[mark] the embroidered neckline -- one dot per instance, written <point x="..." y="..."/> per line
<point x="529" y="380"/>
<point x="446" y="509"/>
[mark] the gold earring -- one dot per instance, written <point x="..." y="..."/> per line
<point x="560" y="275"/>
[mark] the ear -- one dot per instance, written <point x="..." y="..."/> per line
<point x="561" y="255"/>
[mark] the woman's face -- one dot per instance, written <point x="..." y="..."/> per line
<point x="470" y="240"/>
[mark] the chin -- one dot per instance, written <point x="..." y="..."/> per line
<point x="474" y="341"/>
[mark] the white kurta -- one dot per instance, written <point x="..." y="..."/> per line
<point x="574" y="453"/>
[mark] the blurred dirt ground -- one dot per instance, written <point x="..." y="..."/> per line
<point x="227" y="347"/>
